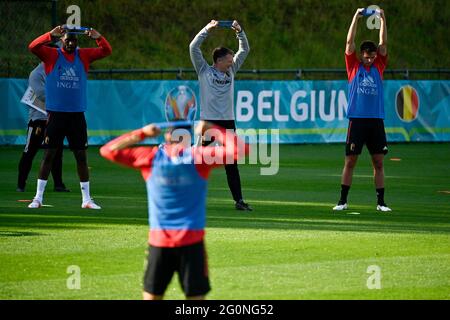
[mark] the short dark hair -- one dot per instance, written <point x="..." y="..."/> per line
<point x="221" y="52"/>
<point x="368" y="46"/>
<point x="71" y="36"/>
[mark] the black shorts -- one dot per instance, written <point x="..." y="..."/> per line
<point x="227" y="124"/>
<point x="66" y="124"/>
<point x="189" y="261"/>
<point x="367" y="131"/>
<point x="35" y="135"/>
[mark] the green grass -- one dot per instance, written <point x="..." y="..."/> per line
<point x="291" y="247"/>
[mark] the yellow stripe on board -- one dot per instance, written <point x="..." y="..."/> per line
<point x="407" y="103"/>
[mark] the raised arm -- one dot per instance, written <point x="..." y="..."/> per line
<point x="350" y="44"/>
<point x="194" y="47"/>
<point x="244" y="47"/>
<point x="103" y="49"/>
<point x="44" y="53"/>
<point x="382" y="46"/>
<point x="118" y="150"/>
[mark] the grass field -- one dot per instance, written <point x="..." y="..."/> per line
<point x="292" y="246"/>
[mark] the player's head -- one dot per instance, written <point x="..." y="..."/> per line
<point x="55" y="44"/>
<point x="368" y="50"/>
<point x="70" y="42"/>
<point x="223" y="58"/>
<point x="179" y="134"/>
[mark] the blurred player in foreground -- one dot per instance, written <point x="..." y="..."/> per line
<point x="176" y="177"/>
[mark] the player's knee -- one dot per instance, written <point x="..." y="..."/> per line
<point x="377" y="163"/>
<point x="49" y="155"/>
<point x="80" y="156"/>
<point x="350" y="163"/>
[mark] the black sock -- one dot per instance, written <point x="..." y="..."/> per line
<point x="344" y="194"/>
<point x="380" y="196"/>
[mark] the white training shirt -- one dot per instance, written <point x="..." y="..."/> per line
<point x="216" y="87"/>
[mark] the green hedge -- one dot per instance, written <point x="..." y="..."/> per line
<point x="282" y="34"/>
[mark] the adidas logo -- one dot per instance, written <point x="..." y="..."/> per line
<point x="368" y="81"/>
<point x="69" y="74"/>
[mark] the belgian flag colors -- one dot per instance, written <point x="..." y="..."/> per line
<point x="407" y="103"/>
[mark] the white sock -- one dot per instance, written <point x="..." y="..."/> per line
<point x="41" y="184"/>
<point x="85" y="191"/>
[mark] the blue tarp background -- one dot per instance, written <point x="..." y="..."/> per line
<point x="304" y="111"/>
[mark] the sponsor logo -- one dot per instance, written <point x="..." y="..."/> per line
<point x="68" y="74"/>
<point x="221" y="82"/>
<point x="367" y="85"/>
<point x="218" y="79"/>
<point x="68" y="78"/>
<point x="368" y="81"/>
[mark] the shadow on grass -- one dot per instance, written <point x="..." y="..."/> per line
<point x="223" y="215"/>
<point x="51" y="219"/>
<point x="6" y="233"/>
<point x="122" y="195"/>
<point x="318" y="224"/>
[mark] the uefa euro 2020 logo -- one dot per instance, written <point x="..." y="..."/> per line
<point x="181" y="104"/>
